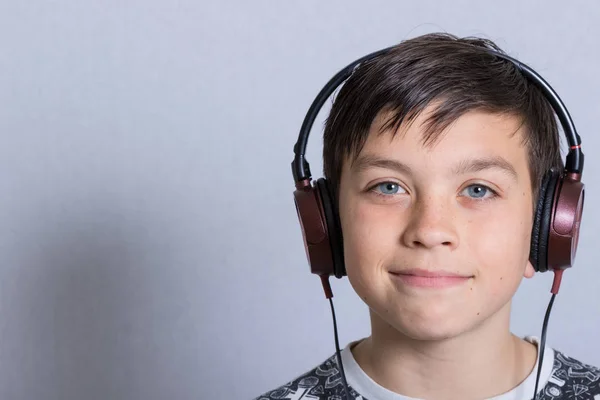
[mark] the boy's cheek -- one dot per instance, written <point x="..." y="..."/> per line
<point x="501" y="270"/>
<point x="502" y="286"/>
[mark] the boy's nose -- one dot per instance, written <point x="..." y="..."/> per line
<point x="431" y="225"/>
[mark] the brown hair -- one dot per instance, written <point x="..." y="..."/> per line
<point x="459" y="75"/>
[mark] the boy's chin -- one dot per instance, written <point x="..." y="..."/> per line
<point x="422" y="329"/>
<point x="432" y="334"/>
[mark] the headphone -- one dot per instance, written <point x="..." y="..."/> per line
<point x="558" y="212"/>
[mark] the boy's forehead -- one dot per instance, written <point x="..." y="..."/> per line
<point x="474" y="131"/>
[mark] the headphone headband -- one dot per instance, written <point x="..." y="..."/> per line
<point x="574" y="161"/>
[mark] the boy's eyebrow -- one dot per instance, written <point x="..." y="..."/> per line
<point x="480" y="164"/>
<point x="370" y="161"/>
<point x="464" y="167"/>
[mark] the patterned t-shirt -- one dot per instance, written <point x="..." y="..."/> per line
<point x="562" y="377"/>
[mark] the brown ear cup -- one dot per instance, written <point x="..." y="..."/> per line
<point x="555" y="231"/>
<point x="313" y="224"/>
<point x="565" y="223"/>
<point x="333" y="226"/>
<point x="319" y="223"/>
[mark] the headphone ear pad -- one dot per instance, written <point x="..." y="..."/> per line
<point x="538" y="254"/>
<point x="333" y="226"/>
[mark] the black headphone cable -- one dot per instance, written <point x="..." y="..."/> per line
<point x="542" y="345"/>
<point x="329" y="295"/>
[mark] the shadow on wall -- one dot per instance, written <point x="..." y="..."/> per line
<point x="92" y="308"/>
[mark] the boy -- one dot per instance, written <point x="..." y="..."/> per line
<point x="436" y="152"/>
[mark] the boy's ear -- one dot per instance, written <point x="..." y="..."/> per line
<point x="529" y="270"/>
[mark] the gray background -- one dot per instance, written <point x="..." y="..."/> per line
<point x="149" y="246"/>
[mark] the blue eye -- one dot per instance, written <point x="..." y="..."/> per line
<point x="388" y="188"/>
<point x="479" y="191"/>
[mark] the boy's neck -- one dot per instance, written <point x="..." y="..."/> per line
<point x="482" y="363"/>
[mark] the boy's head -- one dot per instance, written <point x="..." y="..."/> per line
<point x="455" y="73"/>
<point x="435" y="152"/>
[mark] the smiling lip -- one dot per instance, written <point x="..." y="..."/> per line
<point x="429" y="279"/>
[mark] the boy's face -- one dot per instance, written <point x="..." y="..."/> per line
<point x="436" y="239"/>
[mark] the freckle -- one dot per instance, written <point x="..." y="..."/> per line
<point x="500" y="278"/>
<point x="471" y="289"/>
<point x="477" y="313"/>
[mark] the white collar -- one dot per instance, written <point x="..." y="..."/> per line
<point x="365" y="386"/>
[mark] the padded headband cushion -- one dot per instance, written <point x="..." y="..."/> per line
<point x="333" y="227"/>
<point x="541" y="225"/>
